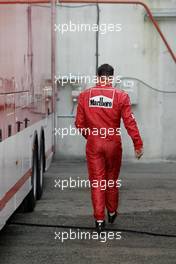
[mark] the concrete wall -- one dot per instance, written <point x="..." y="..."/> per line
<point x="137" y="51"/>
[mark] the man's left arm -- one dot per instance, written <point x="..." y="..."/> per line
<point x="80" y="121"/>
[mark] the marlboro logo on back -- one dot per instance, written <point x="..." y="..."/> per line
<point x="102" y="99"/>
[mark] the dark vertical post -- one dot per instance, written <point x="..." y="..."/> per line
<point x="53" y="66"/>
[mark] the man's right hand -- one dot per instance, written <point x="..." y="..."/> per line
<point x="139" y="153"/>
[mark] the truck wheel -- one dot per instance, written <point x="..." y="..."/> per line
<point x="30" y="200"/>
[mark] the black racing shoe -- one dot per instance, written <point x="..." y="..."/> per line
<point x="100" y="226"/>
<point x="111" y="218"/>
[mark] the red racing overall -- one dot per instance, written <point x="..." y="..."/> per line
<point x="99" y="112"/>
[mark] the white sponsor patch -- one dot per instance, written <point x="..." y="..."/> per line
<point x="132" y="116"/>
<point x="100" y="101"/>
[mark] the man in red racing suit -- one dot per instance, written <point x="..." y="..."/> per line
<point x="99" y="112"/>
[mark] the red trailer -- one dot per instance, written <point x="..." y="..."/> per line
<point x="26" y="102"/>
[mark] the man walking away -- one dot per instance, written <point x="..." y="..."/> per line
<point x="99" y="112"/>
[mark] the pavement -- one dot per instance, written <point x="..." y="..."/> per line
<point x="145" y="231"/>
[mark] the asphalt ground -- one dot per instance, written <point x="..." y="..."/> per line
<point x="52" y="233"/>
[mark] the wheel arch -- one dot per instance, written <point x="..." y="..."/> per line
<point x="42" y="141"/>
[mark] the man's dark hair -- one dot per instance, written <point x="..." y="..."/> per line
<point x="105" y="70"/>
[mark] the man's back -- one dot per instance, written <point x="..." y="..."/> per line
<point x="103" y="107"/>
